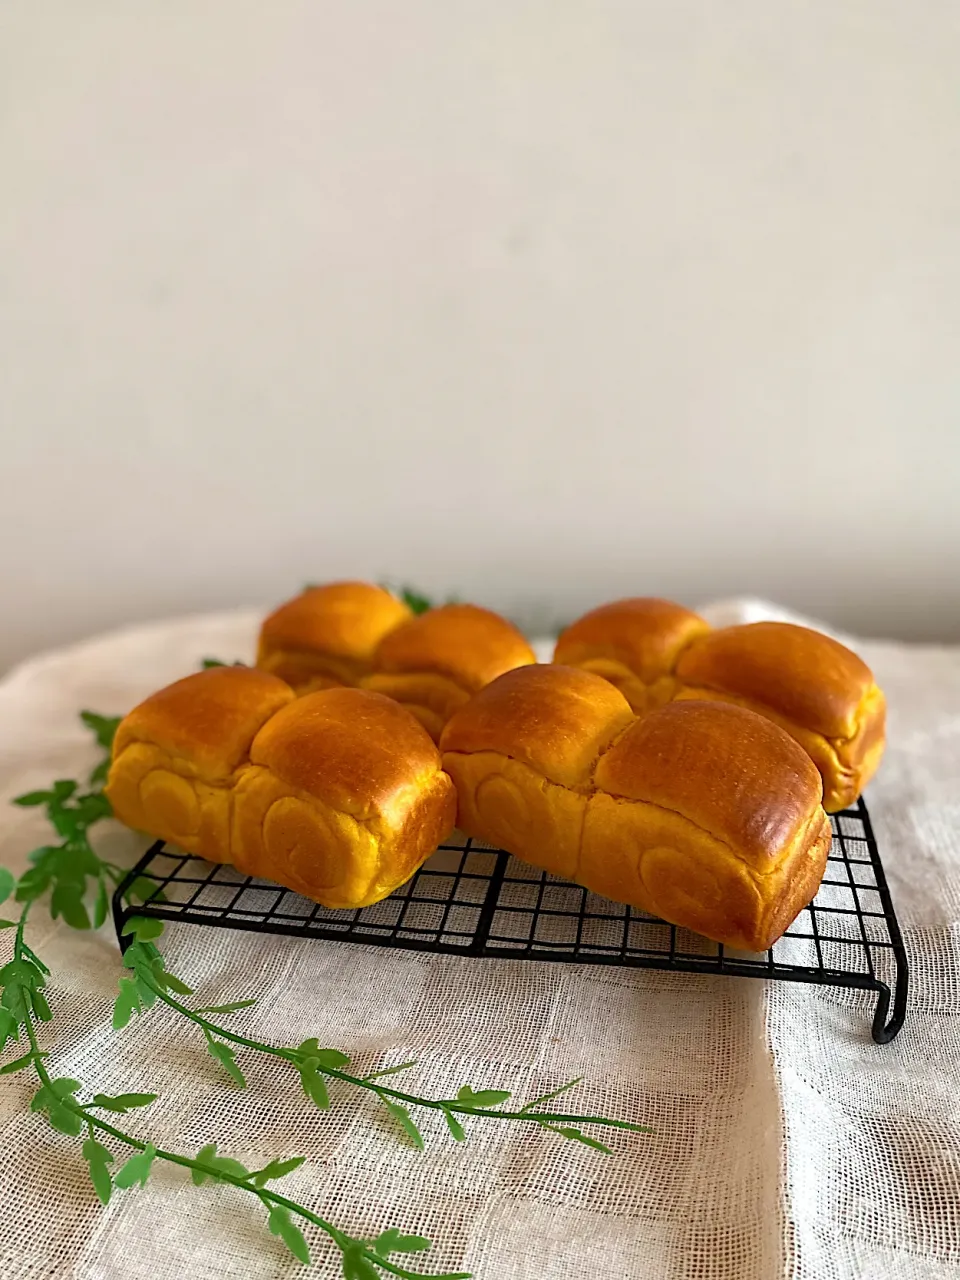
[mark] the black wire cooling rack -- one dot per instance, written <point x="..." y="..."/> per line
<point x="471" y="900"/>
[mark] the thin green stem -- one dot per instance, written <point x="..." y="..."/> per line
<point x="265" y="1195"/>
<point x="433" y="1104"/>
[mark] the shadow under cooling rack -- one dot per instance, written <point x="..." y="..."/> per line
<point x="471" y="900"/>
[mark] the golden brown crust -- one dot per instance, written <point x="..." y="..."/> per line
<point x="511" y="806"/>
<point x="210" y="717"/>
<point x="328" y="634"/>
<point x="705" y="814"/>
<point x="555" y="719"/>
<point x="632" y="643"/>
<point x="713" y="763"/>
<point x="352" y="633"/>
<point x="468" y="645"/>
<point x="338" y="795"/>
<point x="644" y="633"/>
<point x="356" y="751"/>
<point x="801" y="674"/>
<point x="820" y="692"/>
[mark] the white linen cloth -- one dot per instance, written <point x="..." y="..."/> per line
<point x="786" y="1143"/>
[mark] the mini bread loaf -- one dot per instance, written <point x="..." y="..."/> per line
<point x="353" y="633"/>
<point x="820" y="692"/>
<point x="433" y="663"/>
<point x="634" y="644"/>
<point x="328" y="635"/>
<point x="703" y="813"/>
<point x="338" y="795"/>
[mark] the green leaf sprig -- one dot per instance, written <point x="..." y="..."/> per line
<point x="152" y="982"/>
<point x="71" y="868"/>
<point x="414" y="599"/>
<point x="69" y="871"/>
<point x="22" y="1004"/>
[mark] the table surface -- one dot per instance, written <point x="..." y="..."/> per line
<point x="786" y="1143"/>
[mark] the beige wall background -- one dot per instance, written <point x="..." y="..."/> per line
<point x="539" y="300"/>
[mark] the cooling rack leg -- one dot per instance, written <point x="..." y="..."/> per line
<point x="884" y="1030"/>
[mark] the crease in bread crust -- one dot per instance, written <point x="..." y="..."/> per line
<point x="755" y="900"/>
<point x="734" y="858"/>
<point x="546" y="784"/>
<point x="843" y="777"/>
<point x="270" y="825"/>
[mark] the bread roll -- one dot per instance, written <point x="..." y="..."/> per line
<point x="702" y="813"/>
<point x="177" y="756"/>
<point x="327" y="636"/>
<point x="433" y="663"/>
<point x="634" y="644"/>
<point x="338" y="795"/>
<point x="820" y="692"/>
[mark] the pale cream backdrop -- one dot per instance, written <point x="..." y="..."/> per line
<point x="539" y="300"/>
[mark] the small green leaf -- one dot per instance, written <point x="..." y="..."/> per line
<point x="140" y="956"/>
<point x="137" y="1169"/>
<point x="415" y="601"/>
<point x="99" y="772"/>
<point x="101" y="905"/>
<point x="32" y="884"/>
<point x="40" y="1007"/>
<point x="224" y="1164"/>
<point x="406" y="1122"/>
<point x="548" y="1097"/>
<point x="205" y="1155"/>
<point x="127" y="1003"/>
<point x="225" y="1008"/>
<point x="8" y="924"/>
<point x="67" y="901"/>
<point x="331" y="1058"/>
<point x="326" y="1058"/>
<point x="145" y="990"/>
<point x="454" y="1125"/>
<point x="144" y="890"/>
<point x="104" y="728"/>
<point x="98" y="1157"/>
<point x="35" y="960"/>
<point x="18" y="1064"/>
<point x="23" y="973"/>
<point x="121" y="1103"/>
<point x="65" y="1120"/>
<point x="143" y="929"/>
<point x="576" y="1136"/>
<point x="356" y="1266"/>
<point x="207" y="663"/>
<point x="227" y="1058"/>
<point x="313" y="1085"/>
<point x="31" y="799"/>
<point x="64" y="1087"/>
<point x="276" y="1169"/>
<point x="64" y="788"/>
<point x="169" y="981"/>
<point x="394" y="1241"/>
<point x="8" y="1026"/>
<point x="390" y="1071"/>
<point x="92" y="808"/>
<point x="281" y="1225"/>
<point x="483" y="1097"/>
<point x="7" y="883"/>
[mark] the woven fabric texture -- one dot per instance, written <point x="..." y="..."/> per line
<point x="787" y="1144"/>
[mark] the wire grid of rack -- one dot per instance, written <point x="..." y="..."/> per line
<point x="471" y="900"/>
